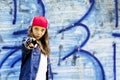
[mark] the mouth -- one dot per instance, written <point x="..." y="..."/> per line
<point x="38" y="37"/>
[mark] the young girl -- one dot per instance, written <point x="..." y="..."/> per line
<point x="35" y="51"/>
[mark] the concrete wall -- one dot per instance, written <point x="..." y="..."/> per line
<point x="84" y="37"/>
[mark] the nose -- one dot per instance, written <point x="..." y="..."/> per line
<point x="39" y="33"/>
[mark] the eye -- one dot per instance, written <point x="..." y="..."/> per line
<point x="39" y="29"/>
<point x="42" y="30"/>
<point x="36" y="28"/>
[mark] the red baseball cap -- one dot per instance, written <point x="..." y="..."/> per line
<point x="40" y="21"/>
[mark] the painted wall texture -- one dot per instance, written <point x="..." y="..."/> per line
<point x="84" y="37"/>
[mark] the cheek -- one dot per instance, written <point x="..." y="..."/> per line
<point x="43" y="33"/>
<point x="34" y="32"/>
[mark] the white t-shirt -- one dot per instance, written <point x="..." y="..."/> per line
<point x="41" y="75"/>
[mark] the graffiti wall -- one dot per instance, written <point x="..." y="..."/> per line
<point x="84" y="37"/>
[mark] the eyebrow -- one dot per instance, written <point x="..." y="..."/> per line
<point x="42" y="29"/>
<point x="38" y="28"/>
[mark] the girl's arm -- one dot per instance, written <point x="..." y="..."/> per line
<point x="26" y="53"/>
<point x="25" y="50"/>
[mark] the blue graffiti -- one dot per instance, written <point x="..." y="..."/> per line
<point x="7" y="55"/>
<point x="15" y="60"/>
<point x="92" y="59"/>
<point x="80" y="20"/>
<point x="88" y="12"/>
<point x="116" y="13"/>
<point x="88" y="54"/>
<point x="15" y="11"/>
<point x="114" y="60"/>
<point x="116" y="19"/>
<point x="22" y="32"/>
<point x="40" y="2"/>
<point x="115" y="34"/>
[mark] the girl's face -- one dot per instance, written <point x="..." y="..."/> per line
<point x="38" y="31"/>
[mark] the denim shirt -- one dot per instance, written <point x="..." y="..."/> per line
<point x="30" y="63"/>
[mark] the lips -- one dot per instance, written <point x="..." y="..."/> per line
<point x="38" y="37"/>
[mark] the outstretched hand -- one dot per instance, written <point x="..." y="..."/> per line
<point x="31" y="43"/>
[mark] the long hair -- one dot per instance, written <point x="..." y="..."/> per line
<point x="44" y="40"/>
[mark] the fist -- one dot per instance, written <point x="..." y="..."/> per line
<point x="31" y="42"/>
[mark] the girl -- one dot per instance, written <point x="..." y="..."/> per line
<point x="35" y="51"/>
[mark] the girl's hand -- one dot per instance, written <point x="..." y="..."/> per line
<point x="31" y="46"/>
<point x="31" y="43"/>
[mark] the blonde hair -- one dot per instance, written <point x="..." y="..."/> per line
<point x="44" y="40"/>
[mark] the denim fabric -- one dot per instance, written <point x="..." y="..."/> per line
<point x="30" y="63"/>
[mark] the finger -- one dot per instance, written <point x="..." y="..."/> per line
<point x="31" y="45"/>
